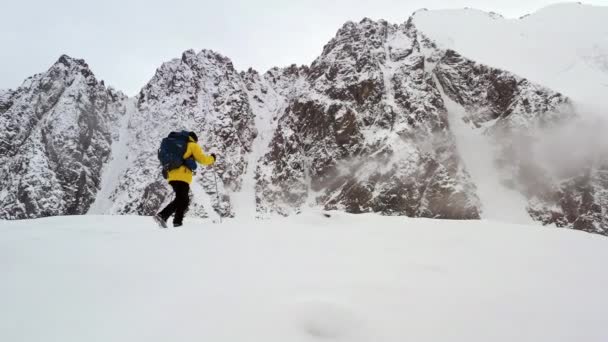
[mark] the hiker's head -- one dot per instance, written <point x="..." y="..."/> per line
<point x="193" y="136"/>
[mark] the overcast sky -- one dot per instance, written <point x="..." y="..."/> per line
<point x="124" y="41"/>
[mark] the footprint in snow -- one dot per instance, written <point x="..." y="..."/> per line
<point x="323" y="320"/>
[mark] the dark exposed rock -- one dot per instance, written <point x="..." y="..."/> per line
<point x="5" y="100"/>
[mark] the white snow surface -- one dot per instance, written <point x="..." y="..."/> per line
<point x="303" y="278"/>
<point x="266" y="119"/>
<point x="117" y="165"/>
<point x="563" y="46"/>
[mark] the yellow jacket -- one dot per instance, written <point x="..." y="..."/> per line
<point x="184" y="174"/>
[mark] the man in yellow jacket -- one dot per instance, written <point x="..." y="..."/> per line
<point x="180" y="180"/>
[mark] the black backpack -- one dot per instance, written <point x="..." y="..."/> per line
<point x="171" y="151"/>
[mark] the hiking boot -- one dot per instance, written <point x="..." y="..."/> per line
<point x="175" y="224"/>
<point x="160" y="221"/>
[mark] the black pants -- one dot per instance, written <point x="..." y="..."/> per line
<point x="179" y="206"/>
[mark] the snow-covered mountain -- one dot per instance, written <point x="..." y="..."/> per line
<point x="386" y="119"/>
<point x="56" y="131"/>
<point x="563" y="46"/>
<point x="367" y="131"/>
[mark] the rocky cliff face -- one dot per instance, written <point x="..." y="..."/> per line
<point x="364" y="128"/>
<point x="367" y="132"/>
<point x="56" y="137"/>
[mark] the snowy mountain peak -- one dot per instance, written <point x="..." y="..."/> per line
<point x="56" y="136"/>
<point x="576" y="68"/>
<point x="575" y="17"/>
<point x="69" y="61"/>
<point x="473" y="12"/>
<point x="67" y="66"/>
<point x="563" y="7"/>
<point x="188" y="75"/>
<point x="364" y="24"/>
<point x="188" y="56"/>
<point x="491" y="15"/>
<point x="495" y="15"/>
<point x="191" y="58"/>
<point x="420" y="10"/>
<point x="349" y="29"/>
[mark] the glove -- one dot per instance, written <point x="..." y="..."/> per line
<point x="214" y="157"/>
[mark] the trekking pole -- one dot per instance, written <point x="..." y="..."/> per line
<point x="217" y="194"/>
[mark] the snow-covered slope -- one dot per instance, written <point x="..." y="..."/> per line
<point x="55" y="136"/>
<point x="563" y="46"/>
<point x="362" y="278"/>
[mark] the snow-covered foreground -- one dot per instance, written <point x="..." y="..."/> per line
<point x="305" y="278"/>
